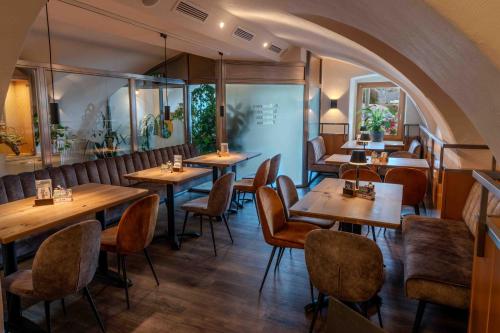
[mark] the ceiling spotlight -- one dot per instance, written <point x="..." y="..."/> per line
<point x="221" y="25"/>
<point x="265" y="44"/>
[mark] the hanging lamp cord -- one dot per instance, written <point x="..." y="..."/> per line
<point x="164" y="36"/>
<point x="50" y="50"/>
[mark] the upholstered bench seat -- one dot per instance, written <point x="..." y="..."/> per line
<point x="438" y="265"/>
<point x="316" y="156"/>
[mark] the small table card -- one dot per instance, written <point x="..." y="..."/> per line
<point x="62" y="195"/>
<point x="177" y="163"/>
<point x="43" y="192"/>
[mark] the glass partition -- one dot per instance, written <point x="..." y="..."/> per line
<point x="94" y="114"/>
<point x="267" y="119"/>
<point x="154" y="130"/>
<point x="314" y="112"/>
<point x="202" y="107"/>
<point x="19" y="135"/>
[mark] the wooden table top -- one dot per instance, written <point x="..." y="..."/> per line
<point x="379" y="146"/>
<point x="326" y="201"/>
<point x="21" y="218"/>
<point x="214" y="160"/>
<point x="156" y="175"/>
<point x="393" y="162"/>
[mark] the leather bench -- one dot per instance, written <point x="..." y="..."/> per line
<point x="316" y="156"/>
<point x="438" y="254"/>
<point x="102" y="171"/>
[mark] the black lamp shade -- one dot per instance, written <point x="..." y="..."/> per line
<point x="358" y="157"/>
<point x="333" y="103"/>
<point x="54" y="113"/>
<point x="166" y="111"/>
<point x="365" y="137"/>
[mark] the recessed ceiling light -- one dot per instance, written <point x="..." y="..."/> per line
<point x="265" y="44"/>
<point x="221" y="24"/>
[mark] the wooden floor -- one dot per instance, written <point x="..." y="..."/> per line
<point x="202" y="293"/>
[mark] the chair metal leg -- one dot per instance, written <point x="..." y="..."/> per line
<point x="94" y="309"/>
<point x="213" y="235"/>
<point x="373" y="234"/>
<point x="278" y="260"/>
<point x="151" y="266"/>
<point x="317" y="308"/>
<point x="379" y="314"/>
<point x="417" y="209"/>
<point x="183" y="229"/>
<point x="312" y="290"/>
<point x="124" y="269"/>
<point x="63" y="305"/>
<point x="425" y="208"/>
<point x="418" y="317"/>
<point x="267" y="269"/>
<point x="201" y="225"/>
<point x="47" y="315"/>
<point x="227" y="227"/>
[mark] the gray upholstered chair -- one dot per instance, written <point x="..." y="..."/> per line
<point x="133" y="234"/>
<point x="64" y="264"/>
<point x="345" y="266"/>
<point x="215" y="205"/>
<point x="289" y="196"/>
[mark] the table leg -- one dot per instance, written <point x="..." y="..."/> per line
<point x="171" y="235"/>
<point x="103" y="272"/>
<point x="215" y="173"/>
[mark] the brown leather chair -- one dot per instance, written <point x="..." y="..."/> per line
<point x="403" y="154"/>
<point x="251" y="185"/>
<point x="276" y="230"/>
<point x="289" y="196"/>
<point x="414" y="184"/>
<point x="347" y="166"/>
<point x="133" y="234"/>
<point x="215" y="205"/>
<point x="274" y="168"/>
<point x="64" y="264"/>
<point x="345" y="266"/>
<point x="364" y="175"/>
<point x="415" y="148"/>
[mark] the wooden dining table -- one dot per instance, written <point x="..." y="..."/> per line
<point x="327" y="201"/>
<point x="21" y="219"/>
<point x="392" y="162"/>
<point x="169" y="179"/>
<point x="375" y="146"/>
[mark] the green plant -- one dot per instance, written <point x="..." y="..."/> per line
<point x="203" y="106"/>
<point x="375" y="119"/>
<point x="60" y="136"/>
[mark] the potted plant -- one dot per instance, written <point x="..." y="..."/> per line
<point x="375" y="120"/>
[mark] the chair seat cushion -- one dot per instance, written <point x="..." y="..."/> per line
<point x="245" y="185"/>
<point x="19" y="283"/>
<point x="293" y="234"/>
<point x="198" y="205"/>
<point x="108" y="239"/>
<point x="438" y="260"/>
<point x="322" y="223"/>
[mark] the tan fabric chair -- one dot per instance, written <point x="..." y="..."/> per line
<point x="276" y="230"/>
<point x="345" y="266"/>
<point x="215" y="205"/>
<point x="251" y="185"/>
<point x="414" y="184"/>
<point x="133" y="234"/>
<point x="289" y="196"/>
<point x="64" y="264"/>
<point x="364" y="175"/>
<point x="347" y="166"/>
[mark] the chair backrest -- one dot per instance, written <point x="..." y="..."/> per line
<point x="270" y="211"/>
<point x="414" y="184"/>
<point x="344" y="265"/>
<point x="219" y="197"/>
<point x="66" y="261"/>
<point x="315" y="150"/>
<point x="287" y="192"/>
<point x="403" y="154"/>
<point x="137" y="225"/>
<point x="274" y="168"/>
<point x="347" y="166"/>
<point x="260" y="178"/>
<point x="415" y="148"/>
<point x="364" y="175"/>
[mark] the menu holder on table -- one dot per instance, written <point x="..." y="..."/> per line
<point x="43" y="192"/>
<point x="62" y="195"/>
<point x="177" y="163"/>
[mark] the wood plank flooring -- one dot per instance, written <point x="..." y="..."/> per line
<point x="202" y="293"/>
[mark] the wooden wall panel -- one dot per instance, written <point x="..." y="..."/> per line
<point x="259" y="72"/>
<point x="201" y="70"/>
<point x="456" y="187"/>
<point x="315" y="71"/>
<point x="333" y="142"/>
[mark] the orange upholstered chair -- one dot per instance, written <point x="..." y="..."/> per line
<point x="250" y="185"/>
<point x="414" y="184"/>
<point x="364" y="175"/>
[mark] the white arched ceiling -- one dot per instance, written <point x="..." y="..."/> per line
<point x="405" y="40"/>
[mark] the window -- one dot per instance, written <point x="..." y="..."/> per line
<point x="387" y="98"/>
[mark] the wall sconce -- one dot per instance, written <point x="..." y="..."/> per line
<point x="333" y="103"/>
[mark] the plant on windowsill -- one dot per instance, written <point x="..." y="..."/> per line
<point x="375" y="121"/>
<point x="12" y="140"/>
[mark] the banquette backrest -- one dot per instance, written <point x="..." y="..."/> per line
<point x="103" y="171"/>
